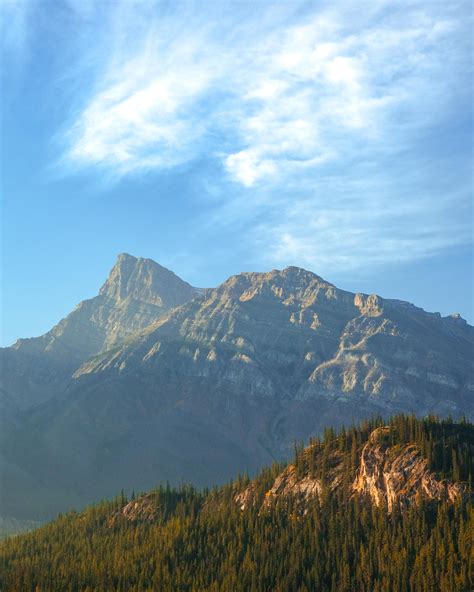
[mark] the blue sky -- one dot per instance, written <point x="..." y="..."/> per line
<point x="219" y="137"/>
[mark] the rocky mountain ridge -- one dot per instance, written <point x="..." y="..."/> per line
<point x="325" y="341"/>
<point x="198" y="385"/>
<point x="136" y="293"/>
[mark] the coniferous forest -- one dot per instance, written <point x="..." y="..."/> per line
<point x="204" y="541"/>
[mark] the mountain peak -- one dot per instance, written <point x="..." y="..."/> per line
<point x="143" y="279"/>
<point x="137" y="292"/>
<point x="125" y="259"/>
<point x="294" y="271"/>
<point x="291" y="282"/>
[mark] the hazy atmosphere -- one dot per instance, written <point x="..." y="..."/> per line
<point x="217" y="138"/>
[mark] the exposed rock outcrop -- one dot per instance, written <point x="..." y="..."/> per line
<point x="398" y="476"/>
<point x="389" y="476"/>
<point x="142" y="509"/>
<point x="370" y="306"/>
<point x="301" y="489"/>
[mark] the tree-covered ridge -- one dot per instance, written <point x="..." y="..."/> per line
<point x="202" y="541"/>
<point x="447" y="445"/>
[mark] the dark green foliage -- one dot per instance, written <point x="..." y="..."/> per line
<point x="201" y="541"/>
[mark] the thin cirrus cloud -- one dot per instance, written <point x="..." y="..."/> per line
<point x="314" y="115"/>
<point x="146" y="117"/>
<point x="288" y="96"/>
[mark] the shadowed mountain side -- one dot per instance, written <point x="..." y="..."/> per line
<point x="125" y="434"/>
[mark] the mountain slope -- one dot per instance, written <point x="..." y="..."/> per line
<point x="290" y="334"/>
<point x="285" y="536"/>
<point x="137" y="292"/>
<point x="227" y="382"/>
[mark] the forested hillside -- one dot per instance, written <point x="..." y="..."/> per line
<point x="323" y="522"/>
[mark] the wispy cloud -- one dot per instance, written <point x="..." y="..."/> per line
<point x="146" y="113"/>
<point x="312" y="114"/>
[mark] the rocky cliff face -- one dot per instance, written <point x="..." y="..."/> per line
<point x="399" y="476"/>
<point x="389" y="476"/>
<point x="143" y="280"/>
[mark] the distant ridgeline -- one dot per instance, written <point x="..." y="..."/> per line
<point x="386" y="506"/>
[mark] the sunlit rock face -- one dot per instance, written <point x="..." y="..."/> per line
<point x="155" y="380"/>
<point x="391" y="477"/>
<point x="398" y="477"/>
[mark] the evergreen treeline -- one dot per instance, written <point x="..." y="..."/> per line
<point x="201" y="541"/>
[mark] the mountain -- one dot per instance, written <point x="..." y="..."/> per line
<point x="136" y="293"/>
<point x="224" y="383"/>
<point x="292" y="336"/>
<point x="384" y="506"/>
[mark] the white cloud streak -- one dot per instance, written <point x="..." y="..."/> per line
<point x="287" y="96"/>
<point x="146" y="113"/>
<point x="305" y="116"/>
